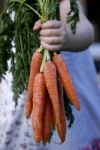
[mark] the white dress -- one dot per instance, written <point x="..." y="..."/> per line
<point x="16" y="133"/>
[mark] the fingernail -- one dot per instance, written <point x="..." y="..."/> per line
<point x="34" y="27"/>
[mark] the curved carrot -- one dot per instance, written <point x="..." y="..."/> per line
<point x="51" y="83"/>
<point x="39" y="93"/>
<point x="61" y="126"/>
<point x="35" y="66"/>
<point x="48" y="119"/>
<point x="66" y="80"/>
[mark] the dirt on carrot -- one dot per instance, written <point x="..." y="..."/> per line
<point x="62" y="125"/>
<point x="66" y="80"/>
<point x="35" y="66"/>
<point x="51" y="83"/>
<point x="48" y="120"/>
<point x="39" y="94"/>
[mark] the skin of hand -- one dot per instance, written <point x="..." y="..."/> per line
<point x="52" y="34"/>
<point x="56" y="35"/>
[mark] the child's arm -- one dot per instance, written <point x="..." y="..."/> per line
<point x="56" y="35"/>
<point x="85" y="33"/>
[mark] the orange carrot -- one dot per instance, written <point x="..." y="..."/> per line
<point x="51" y="83"/>
<point x="39" y="93"/>
<point x="35" y="66"/>
<point x="48" y="119"/>
<point x="66" y="80"/>
<point x="28" y="107"/>
<point x="61" y="126"/>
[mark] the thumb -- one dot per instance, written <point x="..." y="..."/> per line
<point x="37" y="25"/>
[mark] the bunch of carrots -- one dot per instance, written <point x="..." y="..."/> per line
<point x="48" y="77"/>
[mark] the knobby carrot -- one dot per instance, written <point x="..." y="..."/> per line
<point x="35" y="66"/>
<point x="39" y="93"/>
<point x="61" y="126"/>
<point x="51" y="83"/>
<point x="48" y="120"/>
<point x="66" y="80"/>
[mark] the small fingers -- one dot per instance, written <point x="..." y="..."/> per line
<point x="51" y="24"/>
<point x="50" y="32"/>
<point x="51" y="47"/>
<point x="52" y="40"/>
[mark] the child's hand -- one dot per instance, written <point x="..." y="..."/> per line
<point x="52" y="34"/>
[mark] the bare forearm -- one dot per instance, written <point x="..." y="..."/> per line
<point x="83" y="38"/>
<point x="84" y="34"/>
